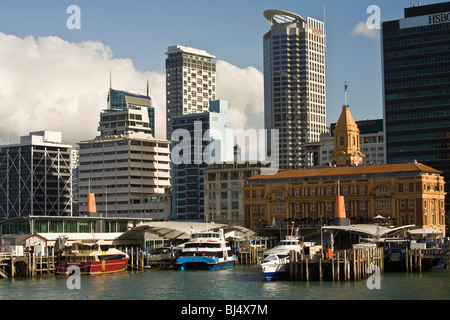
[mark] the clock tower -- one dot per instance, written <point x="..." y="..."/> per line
<point x="346" y="140"/>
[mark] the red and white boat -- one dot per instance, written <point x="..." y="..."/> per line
<point x="92" y="258"/>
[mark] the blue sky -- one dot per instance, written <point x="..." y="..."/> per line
<point x="231" y="30"/>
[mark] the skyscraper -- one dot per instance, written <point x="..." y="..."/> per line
<point x="294" y="84"/>
<point x="416" y="65"/>
<point x="190" y="82"/>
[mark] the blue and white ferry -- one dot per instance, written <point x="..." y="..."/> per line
<point x="206" y="250"/>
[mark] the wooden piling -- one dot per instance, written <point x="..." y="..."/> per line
<point x="337" y="260"/>
<point x="307" y="270"/>
<point x="320" y="269"/>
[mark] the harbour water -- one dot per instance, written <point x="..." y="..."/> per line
<point x="242" y="283"/>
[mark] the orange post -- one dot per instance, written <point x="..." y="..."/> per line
<point x="91" y="203"/>
<point x="340" y="207"/>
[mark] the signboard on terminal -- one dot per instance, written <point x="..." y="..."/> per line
<point x="436" y="18"/>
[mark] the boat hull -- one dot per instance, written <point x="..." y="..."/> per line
<point x="275" y="272"/>
<point x="93" y="267"/>
<point x="204" y="263"/>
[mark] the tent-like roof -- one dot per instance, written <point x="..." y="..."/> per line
<point x="172" y="230"/>
<point x="372" y="230"/>
<point x="425" y="231"/>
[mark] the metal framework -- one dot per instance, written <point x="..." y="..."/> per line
<point x="35" y="180"/>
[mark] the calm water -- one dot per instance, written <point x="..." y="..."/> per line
<point x="240" y="283"/>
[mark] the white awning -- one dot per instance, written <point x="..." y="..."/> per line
<point x="425" y="231"/>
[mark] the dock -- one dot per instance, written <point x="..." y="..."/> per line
<point x="26" y="265"/>
<point x="340" y="265"/>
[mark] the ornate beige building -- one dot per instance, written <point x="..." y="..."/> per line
<point x="407" y="193"/>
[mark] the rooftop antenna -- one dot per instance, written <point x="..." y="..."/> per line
<point x="110" y="87"/>
<point x="345" y="92"/>
<point x="324" y="28"/>
<point x="147" y="88"/>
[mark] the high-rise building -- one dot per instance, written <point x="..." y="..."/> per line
<point x="126" y="167"/>
<point x="294" y="84"/>
<point x="36" y="176"/>
<point x="416" y="76"/>
<point x="200" y="140"/>
<point x="124" y="112"/>
<point x="190" y="82"/>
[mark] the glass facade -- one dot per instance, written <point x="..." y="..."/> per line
<point x="35" y="179"/>
<point x="416" y="63"/>
<point x="40" y="225"/>
<point x="126" y="101"/>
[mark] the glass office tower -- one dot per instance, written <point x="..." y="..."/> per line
<point x="416" y="66"/>
<point x="294" y="84"/>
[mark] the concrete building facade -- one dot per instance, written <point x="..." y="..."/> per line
<point x="294" y="84"/>
<point x="190" y="82"/>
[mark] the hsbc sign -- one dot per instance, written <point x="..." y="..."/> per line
<point x="439" y="18"/>
<point x="431" y="19"/>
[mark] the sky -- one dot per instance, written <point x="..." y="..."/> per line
<point x="56" y="78"/>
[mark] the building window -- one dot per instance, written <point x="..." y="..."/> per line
<point x="297" y="207"/>
<point x="383" y="189"/>
<point x="255" y="208"/>
<point x="329" y="191"/>
<point x="313" y="206"/>
<point x="411" y="204"/>
<point x="313" y="191"/>
<point x="297" y="192"/>
<point x="362" y="190"/>
<point x="406" y="187"/>
<point x="402" y="204"/>
<point x="278" y="194"/>
<point x="262" y="208"/>
<point x="362" y="205"/>
<point x="330" y="206"/>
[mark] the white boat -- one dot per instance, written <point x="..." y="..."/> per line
<point x="206" y="250"/>
<point x="275" y="262"/>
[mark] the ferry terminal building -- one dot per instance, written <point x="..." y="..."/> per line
<point x="403" y="194"/>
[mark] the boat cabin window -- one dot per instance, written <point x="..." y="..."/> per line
<point x="289" y="243"/>
<point x="106" y="247"/>
<point x="202" y="245"/>
<point x="205" y="235"/>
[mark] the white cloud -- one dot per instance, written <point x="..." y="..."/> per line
<point x="49" y="83"/>
<point x="362" y="30"/>
<point x="244" y="91"/>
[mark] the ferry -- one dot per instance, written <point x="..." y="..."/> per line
<point x="274" y="263"/>
<point x="92" y="258"/>
<point x="206" y="250"/>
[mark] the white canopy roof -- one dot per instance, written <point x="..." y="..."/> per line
<point x="180" y="230"/>
<point x="369" y="229"/>
<point x="425" y="231"/>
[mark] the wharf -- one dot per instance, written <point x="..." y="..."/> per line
<point x="344" y="265"/>
<point x="26" y="265"/>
